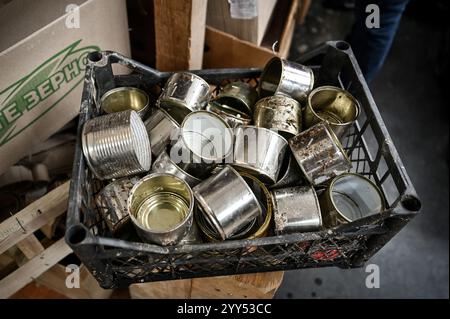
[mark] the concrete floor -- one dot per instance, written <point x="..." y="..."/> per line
<point x="415" y="264"/>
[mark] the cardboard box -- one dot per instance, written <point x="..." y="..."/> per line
<point x="223" y="50"/>
<point x="42" y="63"/>
<point x="245" y="19"/>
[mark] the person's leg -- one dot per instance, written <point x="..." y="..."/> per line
<point x="371" y="46"/>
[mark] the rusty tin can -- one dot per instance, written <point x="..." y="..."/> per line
<point x="319" y="154"/>
<point x="296" y="209"/>
<point x="349" y="197"/>
<point x="259" y="151"/>
<point x="125" y="98"/>
<point x="279" y="112"/>
<point x="112" y="202"/>
<point x="287" y="78"/>
<point x="335" y="106"/>
<point x="239" y="96"/>
<point x="161" y="129"/>
<point x="184" y="92"/>
<point x="116" y="145"/>
<point x="214" y="196"/>
<point x="161" y="207"/>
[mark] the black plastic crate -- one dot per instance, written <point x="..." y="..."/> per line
<point x="121" y="262"/>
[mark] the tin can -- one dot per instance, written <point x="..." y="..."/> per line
<point x="214" y="196"/>
<point x="193" y="237"/>
<point x="239" y="96"/>
<point x="261" y="228"/>
<point x="287" y="78"/>
<point x="183" y="93"/>
<point x="161" y="207"/>
<point x="234" y="118"/>
<point x="335" y="106"/>
<point x="116" y="145"/>
<point x="112" y="202"/>
<point x="290" y="173"/>
<point x="125" y="98"/>
<point x="161" y="129"/>
<point x="279" y="112"/>
<point x="206" y="140"/>
<point x="296" y="209"/>
<point x="319" y="154"/>
<point x="259" y="151"/>
<point x="164" y="164"/>
<point x="349" y="197"/>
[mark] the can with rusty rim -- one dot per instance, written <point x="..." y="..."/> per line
<point x="206" y="140"/>
<point x="161" y="129"/>
<point x="233" y="117"/>
<point x="259" y="151"/>
<point x="125" y="98"/>
<point x="184" y="92"/>
<point x="239" y="96"/>
<point x="161" y="207"/>
<point x="112" y="202"/>
<point x="116" y="145"/>
<point x="164" y="164"/>
<point x="214" y="196"/>
<point x="296" y="209"/>
<point x="279" y="112"/>
<point x="349" y="197"/>
<point x="319" y="153"/>
<point x="334" y="106"/>
<point x="287" y="78"/>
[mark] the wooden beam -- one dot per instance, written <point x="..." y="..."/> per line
<point x="179" y="34"/>
<point x="34" y="268"/>
<point x="30" y="246"/>
<point x="33" y="217"/>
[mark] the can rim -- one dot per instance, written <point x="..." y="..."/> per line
<point x="177" y="226"/>
<point x="333" y="182"/>
<point x="333" y="88"/>
<point x="125" y="88"/>
<point x="227" y="128"/>
<point x="166" y="156"/>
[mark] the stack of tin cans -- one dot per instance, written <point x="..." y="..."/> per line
<point x="242" y="162"/>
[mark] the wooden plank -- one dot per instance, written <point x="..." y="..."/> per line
<point x="179" y="34"/>
<point x="34" y="216"/>
<point x="34" y="268"/>
<point x="55" y="279"/>
<point x="303" y="10"/>
<point x="30" y="246"/>
<point x="257" y="285"/>
<point x="246" y="286"/>
<point x="288" y="32"/>
<point x="178" y="289"/>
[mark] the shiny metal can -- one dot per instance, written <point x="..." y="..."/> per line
<point x="319" y="154"/>
<point x="214" y="196"/>
<point x="164" y="164"/>
<point x="287" y="78"/>
<point x="112" y="202"/>
<point x="335" y="106"/>
<point x="116" y="145"/>
<point x="239" y="96"/>
<point x="279" y="112"/>
<point x="125" y="98"/>
<point x="161" y="207"/>
<point x="161" y="129"/>
<point x="184" y="92"/>
<point x="296" y="209"/>
<point x="349" y="197"/>
<point x="233" y="117"/>
<point x="259" y="151"/>
<point x="206" y="140"/>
